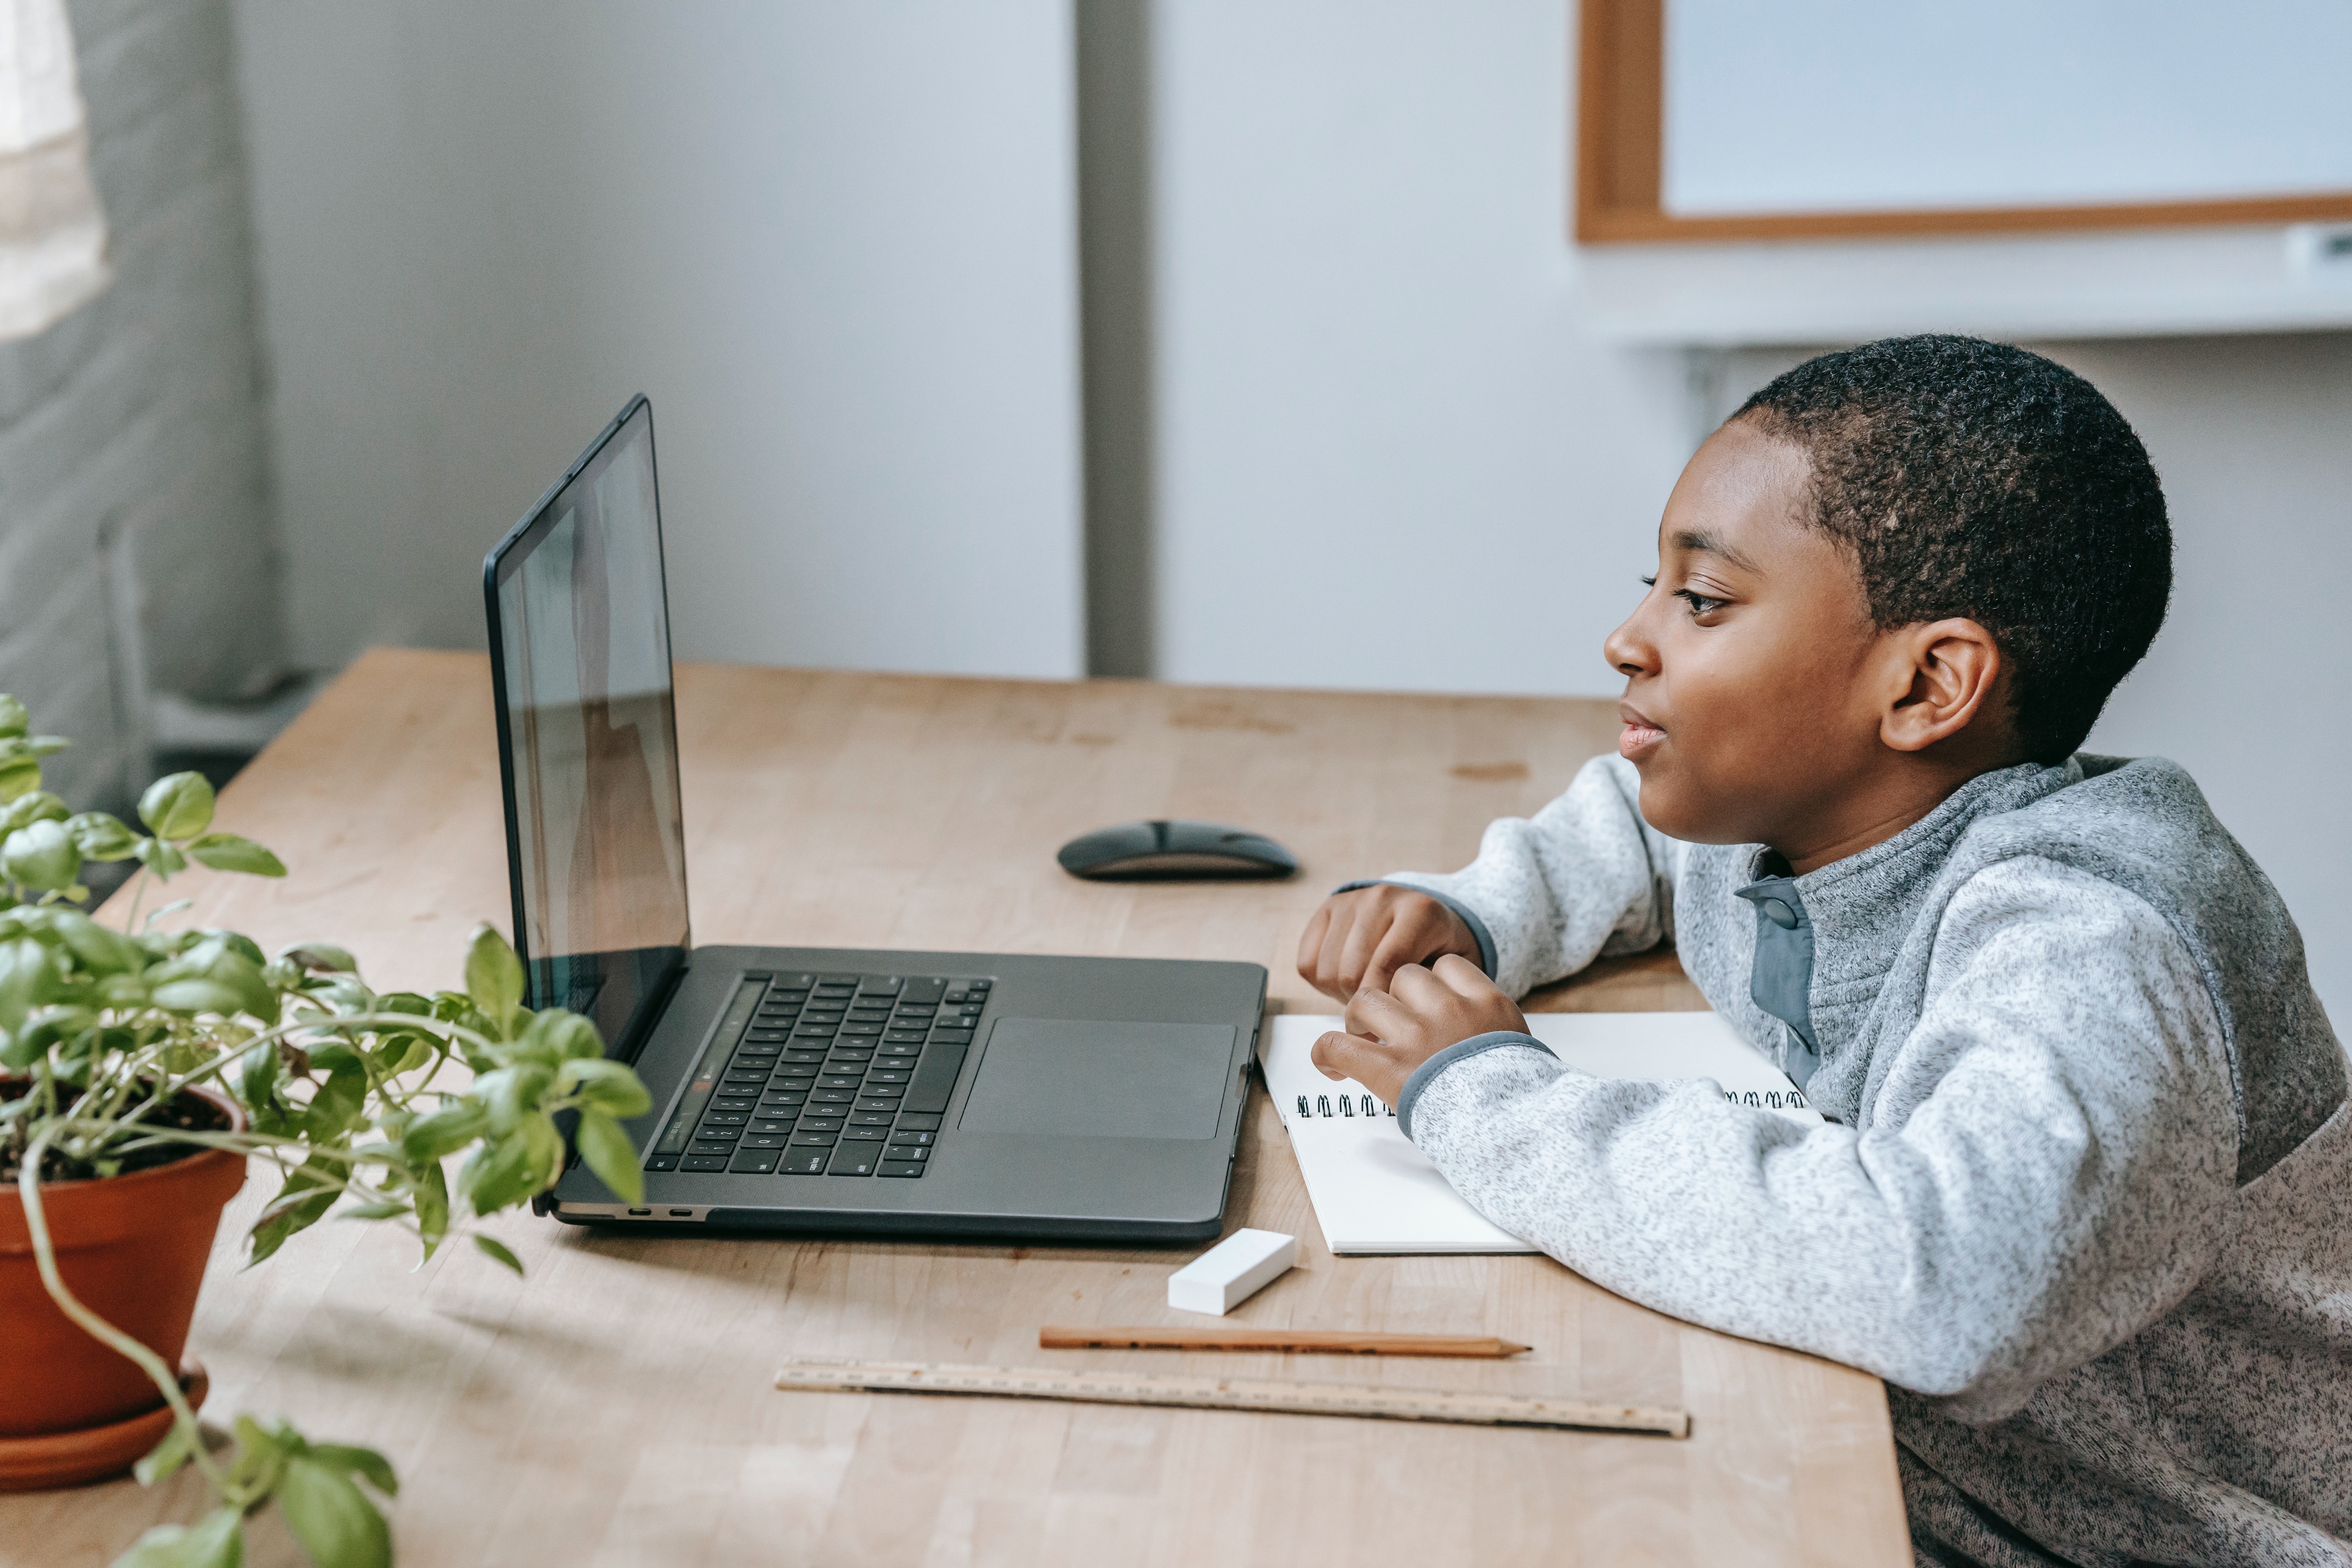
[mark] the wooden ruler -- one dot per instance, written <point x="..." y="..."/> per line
<point x="1395" y="1404"/>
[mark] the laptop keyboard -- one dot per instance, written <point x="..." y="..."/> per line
<point x="840" y="1075"/>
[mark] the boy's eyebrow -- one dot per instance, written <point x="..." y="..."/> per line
<point x="1708" y="545"/>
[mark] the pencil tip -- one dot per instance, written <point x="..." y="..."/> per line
<point x="1510" y="1349"/>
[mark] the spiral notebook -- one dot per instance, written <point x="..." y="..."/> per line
<point x="1373" y="1191"/>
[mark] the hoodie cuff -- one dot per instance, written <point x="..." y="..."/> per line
<point x="1469" y="917"/>
<point x="1426" y="1073"/>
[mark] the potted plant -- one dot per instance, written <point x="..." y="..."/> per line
<point x="141" y="1067"/>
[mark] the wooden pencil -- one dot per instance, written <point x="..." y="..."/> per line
<point x="1323" y="1342"/>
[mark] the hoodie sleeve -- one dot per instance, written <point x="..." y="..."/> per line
<point x="2056" y="1184"/>
<point x="1583" y="877"/>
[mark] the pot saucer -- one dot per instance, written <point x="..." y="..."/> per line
<point x="70" y="1459"/>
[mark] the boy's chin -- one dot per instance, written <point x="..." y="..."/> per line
<point x="1670" y="806"/>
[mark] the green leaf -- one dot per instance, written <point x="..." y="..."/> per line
<point x="100" y="836"/>
<point x="325" y="957"/>
<point x="165" y="1456"/>
<point x="41" y="855"/>
<point x="431" y="1189"/>
<point x="339" y="1104"/>
<point x="197" y="995"/>
<point x="216" y="1541"/>
<point x="332" y="1518"/>
<point x="513" y="1094"/>
<point x="14" y="716"/>
<point x="306" y="1196"/>
<point x="28" y="977"/>
<point x="383" y="1209"/>
<point x="227" y="852"/>
<point x="444" y="1131"/>
<point x="609" y="1153"/>
<point x="493" y="977"/>
<point x="366" y="1463"/>
<point x="179" y="805"/>
<point x="101" y="949"/>
<point x="256" y="1083"/>
<point x="525" y="1161"/>
<point x="39" y="806"/>
<point x="161" y="858"/>
<point x="18" y="776"/>
<point x="496" y="1249"/>
<point x="611" y="1086"/>
<point x="555" y="1036"/>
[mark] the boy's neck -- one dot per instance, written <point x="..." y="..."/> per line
<point x="1869" y="815"/>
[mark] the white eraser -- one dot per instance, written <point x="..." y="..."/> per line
<point x="1232" y="1271"/>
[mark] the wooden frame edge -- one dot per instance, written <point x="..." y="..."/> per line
<point x="1618" y="167"/>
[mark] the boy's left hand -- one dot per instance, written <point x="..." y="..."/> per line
<point x="1392" y="1032"/>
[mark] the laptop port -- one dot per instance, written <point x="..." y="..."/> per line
<point x="681" y="1213"/>
<point x="641" y="1213"/>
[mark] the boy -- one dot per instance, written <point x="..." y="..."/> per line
<point x="2081" y="1197"/>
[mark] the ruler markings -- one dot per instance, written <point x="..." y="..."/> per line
<point x="842" y="1375"/>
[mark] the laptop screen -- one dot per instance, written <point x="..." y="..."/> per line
<point x="588" y="735"/>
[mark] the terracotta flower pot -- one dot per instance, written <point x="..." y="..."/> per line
<point x="134" y="1248"/>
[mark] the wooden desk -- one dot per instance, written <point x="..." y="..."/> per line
<point x="615" y="1409"/>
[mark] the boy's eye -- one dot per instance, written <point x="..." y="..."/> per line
<point x="1700" y="603"/>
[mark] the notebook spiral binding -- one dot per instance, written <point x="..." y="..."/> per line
<point x="1347" y="1104"/>
<point x="1771" y="1100"/>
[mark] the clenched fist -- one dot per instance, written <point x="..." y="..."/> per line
<point x="1392" y="1032"/>
<point x="1358" y="939"/>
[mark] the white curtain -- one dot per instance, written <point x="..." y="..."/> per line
<point x="52" y="234"/>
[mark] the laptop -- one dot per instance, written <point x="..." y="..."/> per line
<point x="801" y="1088"/>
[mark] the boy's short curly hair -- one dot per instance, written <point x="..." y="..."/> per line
<point x="1970" y="479"/>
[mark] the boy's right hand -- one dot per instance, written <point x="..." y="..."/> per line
<point x="1358" y="939"/>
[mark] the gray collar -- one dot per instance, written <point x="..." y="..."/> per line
<point x="1821" y="972"/>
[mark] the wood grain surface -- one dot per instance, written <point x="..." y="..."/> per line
<point x="616" y="1407"/>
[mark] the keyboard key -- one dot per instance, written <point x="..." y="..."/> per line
<point x="711" y="1146"/>
<point x="662" y="1163"/>
<point x="914" y="1136"/>
<point x="936" y="1079"/>
<point x="865" y="1134"/>
<point x="724" y="1119"/>
<point x="907" y="1151"/>
<point x="905" y="1036"/>
<point x="838" y="1080"/>
<point x="944" y="1035"/>
<point x="814" y="1122"/>
<point x="803" y="1162"/>
<point x="766" y="1033"/>
<point x="888" y="1075"/>
<point x="872" y="1118"/>
<point x="861" y="1027"/>
<point x="816" y="1032"/>
<point x="814" y="1140"/>
<point x="878" y="1102"/>
<point x="762" y="1163"/>
<point x="842" y="1096"/>
<point x="925" y="990"/>
<point x="898" y="1168"/>
<point x="874" y="985"/>
<point x="734" y="1101"/>
<point x="956" y="996"/>
<point x="981" y="986"/>
<point x="853" y="1162"/>
<point x="912" y="1121"/>
<point x="758" y="1141"/>
<point x="769" y="1129"/>
<point x="811" y="1054"/>
<point x="704" y="1162"/>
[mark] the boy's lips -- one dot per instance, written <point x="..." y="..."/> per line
<point x="1639" y="735"/>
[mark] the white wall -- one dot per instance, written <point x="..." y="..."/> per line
<point x="833" y="242"/>
<point x="139" y="417"/>
<point x="1390" y="455"/>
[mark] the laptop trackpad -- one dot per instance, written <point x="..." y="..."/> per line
<point x="1060" y="1078"/>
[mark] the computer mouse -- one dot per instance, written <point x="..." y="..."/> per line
<point x="1173" y="852"/>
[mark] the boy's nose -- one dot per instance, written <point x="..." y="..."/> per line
<point x="1628" y="652"/>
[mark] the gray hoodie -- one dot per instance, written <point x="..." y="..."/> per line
<point x="2081" y="1197"/>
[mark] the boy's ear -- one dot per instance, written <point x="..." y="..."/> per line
<point x="1945" y="675"/>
